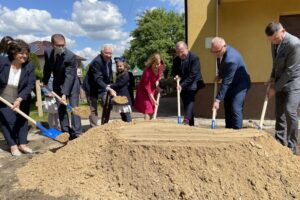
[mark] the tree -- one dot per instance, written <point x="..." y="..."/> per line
<point x="38" y="70"/>
<point x="158" y="31"/>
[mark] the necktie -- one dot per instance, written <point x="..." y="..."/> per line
<point x="275" y="49"/>
<point x="107" y="69"/>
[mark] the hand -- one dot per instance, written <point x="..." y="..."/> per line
<point x="16" y="104"/>
<point x="271" y="92"/>
<point x="158" y="89"/>
<point x="63" y="99"/>
<point x="179" y="88"/>
<point x="216" y="105"/>
<point x="271" y="82"/>
<point x="112" y="92"/>
<point x="177" y="78"/>
<point x="217" y="79"/>
<point x="50" y="94"/>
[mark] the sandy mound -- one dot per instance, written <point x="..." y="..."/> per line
<point x="159" y="160"/>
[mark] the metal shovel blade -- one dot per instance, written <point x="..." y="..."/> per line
<point x="50" y="133"/>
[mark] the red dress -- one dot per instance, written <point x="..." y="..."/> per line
<point x="143" y="102"/>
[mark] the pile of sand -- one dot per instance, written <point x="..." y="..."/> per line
<point x="159" y="160"/>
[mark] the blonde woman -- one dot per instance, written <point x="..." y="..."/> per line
<point x="145" y="100"/>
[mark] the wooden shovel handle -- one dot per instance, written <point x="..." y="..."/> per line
<point x="18" y="111"/>
<point x="58" y="97"/>
<point x="156" y="106"/>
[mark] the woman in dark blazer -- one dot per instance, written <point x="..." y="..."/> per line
<point x="121" y="88"/>
<point x="17" y="80"/>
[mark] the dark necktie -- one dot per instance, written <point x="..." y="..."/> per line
<point x="276" y="49"/>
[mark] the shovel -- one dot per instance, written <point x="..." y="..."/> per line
<point x="263" y="112"/>
<point x="50" y="133"/>
<point x="156" y="106"/>
<point x="106" y="109"/>
<point x="81" y="112"/>
<point x="69" y="107"/>
<point x="178" y="104"/>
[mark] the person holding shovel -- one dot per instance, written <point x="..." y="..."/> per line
<point x="62" y="63"/>
<point x="186" y="68"/>
<point x="145" y="100"/>
<point x="96" y="83"/>
<point x="235" y="82"/>
<point x="121" y="88"/>
<point x="285" y="83"/>
<point x="17" y="80"/>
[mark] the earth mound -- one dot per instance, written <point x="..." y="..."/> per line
<point x="161" y="160"/>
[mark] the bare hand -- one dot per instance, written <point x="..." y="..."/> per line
<point x="63" y="99"/>
<point x="216" y="105"/>
<point x="271" y="92"/>
<point x="217" y="79"/>
<point x="179" y="88"/>
<point x="177" y="78"/>
<point x="16" y="105"/>
<point x="112" y="92"/>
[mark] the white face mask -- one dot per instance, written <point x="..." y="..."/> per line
<point x="59" y="50"/>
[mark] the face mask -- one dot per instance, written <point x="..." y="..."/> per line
<point x="59" y="50"/>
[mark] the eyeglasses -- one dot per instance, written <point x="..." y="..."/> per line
<point x="217" y="51"/>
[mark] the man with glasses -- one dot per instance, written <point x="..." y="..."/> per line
<point x="235" y="82"/>
<point x="97" y="81"/>
<point x="285" y="82"/>
<point x="62" y="63"/>
<point x="186" y="67"/>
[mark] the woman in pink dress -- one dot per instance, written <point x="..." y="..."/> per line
<point x="145" y="100"/>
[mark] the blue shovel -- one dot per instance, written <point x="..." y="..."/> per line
<point x="50" y="133"/>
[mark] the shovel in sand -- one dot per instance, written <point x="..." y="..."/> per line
<point x="83" y="113"/>
<point x="156" y="106"/>
<point x="50" y="133"/>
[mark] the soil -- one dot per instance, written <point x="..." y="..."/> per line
<point x="156" y="160"/>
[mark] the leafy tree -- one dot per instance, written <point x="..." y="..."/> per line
<point x="38" y="70"/>
<point x="158" y="31"/>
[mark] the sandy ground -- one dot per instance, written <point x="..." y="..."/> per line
<point x="153" y="160"/>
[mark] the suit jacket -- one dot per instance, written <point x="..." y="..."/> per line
<point x="286" y="64"/>
<point x="97" y="77"/>
<point x="121" y="86"/>
<point x="189" y="70"/>
<point x="233" y="72"/>
<point x="26" y="82"/>
<point x="64" y="69"/>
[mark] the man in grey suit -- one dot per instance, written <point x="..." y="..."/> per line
<point x="62" y="63"/>
<point x="285" y="82"/>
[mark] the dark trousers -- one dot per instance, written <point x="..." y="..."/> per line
<point x="126" y="117"/>
<point x="93" y="104"/>
<point x="188" y="100"/>
<point x="233" y="106"/>
<point x="14" y="126"/>
<point x="76" y="129"/>
<point x="286" y="104"/>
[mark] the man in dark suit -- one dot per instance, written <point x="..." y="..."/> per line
<point x="285" y="82"/>
<point x="186" y="68"/>
<point x="97" y="81"/>
<point x="235" y="82"/>
<point x="62" y="63"/>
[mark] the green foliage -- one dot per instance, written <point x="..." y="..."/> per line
<point x="158" y="31"/>
<point x="38" y="70"/>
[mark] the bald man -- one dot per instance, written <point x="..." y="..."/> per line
<point x="186" y="67"/>
<point x="235" y="82"/>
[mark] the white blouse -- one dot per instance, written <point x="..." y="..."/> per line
<point x="14" y="77"/>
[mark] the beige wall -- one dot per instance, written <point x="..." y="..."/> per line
<point x="242" y="24"/>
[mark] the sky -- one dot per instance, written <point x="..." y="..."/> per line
<point x="86" y="24"/>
